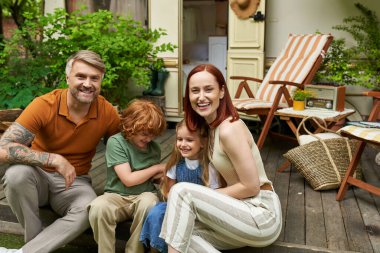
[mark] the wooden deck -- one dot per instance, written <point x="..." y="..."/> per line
<point x="312" y="221"/>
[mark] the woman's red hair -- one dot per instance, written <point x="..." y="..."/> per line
<point x="226" y="108"/>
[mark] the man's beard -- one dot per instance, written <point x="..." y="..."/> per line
<point x="75" y="92"/>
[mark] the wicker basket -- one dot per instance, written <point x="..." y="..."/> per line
<point x="314" y="161"/>
<point x="323" y="163"/>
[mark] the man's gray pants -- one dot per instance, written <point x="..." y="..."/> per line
<point x="27" y="188"/>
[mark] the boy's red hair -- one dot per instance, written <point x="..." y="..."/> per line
<point x="142" y="116"/>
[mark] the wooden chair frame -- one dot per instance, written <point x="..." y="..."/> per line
<point x="266" y="115"/>
<point x="348" y="178"/>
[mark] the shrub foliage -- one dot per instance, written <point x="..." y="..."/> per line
<point x="33" y="60"/>
<point x="360" y="64"/>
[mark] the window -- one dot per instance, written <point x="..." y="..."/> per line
<point x="137" y="9"/>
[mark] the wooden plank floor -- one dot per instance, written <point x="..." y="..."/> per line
<point x="315" y="219"/>
<point x="312" y="221"/>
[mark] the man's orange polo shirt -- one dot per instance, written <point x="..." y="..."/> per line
<point x="48" y="118"/>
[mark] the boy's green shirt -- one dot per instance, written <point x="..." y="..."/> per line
<point x="119" y="151"/>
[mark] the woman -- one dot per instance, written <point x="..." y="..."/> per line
<point x="246" y="212"/>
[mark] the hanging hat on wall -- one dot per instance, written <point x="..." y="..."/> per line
<point x="244" y="8"/>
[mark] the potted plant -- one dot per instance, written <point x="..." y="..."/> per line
<point x="299" y="97"/>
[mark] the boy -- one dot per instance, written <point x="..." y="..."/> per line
<point x="132" y="161"/>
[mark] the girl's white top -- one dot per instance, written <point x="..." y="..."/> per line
<point x="192" y="165"/>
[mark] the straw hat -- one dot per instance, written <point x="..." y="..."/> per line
<point x="244" y="8"/>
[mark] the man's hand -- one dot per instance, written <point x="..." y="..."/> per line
<point x="63" y="167"/>
<point x="14" y="148"/>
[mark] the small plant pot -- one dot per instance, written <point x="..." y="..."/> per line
<point x="298" y="105"/>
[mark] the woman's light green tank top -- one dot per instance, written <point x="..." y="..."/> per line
<point x="223" y="164"/>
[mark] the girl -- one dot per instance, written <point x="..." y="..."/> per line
<point x="247" y="211"/>
<point x="188" y="163"/>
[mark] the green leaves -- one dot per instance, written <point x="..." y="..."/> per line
<point x="360" y="64"/>
<point x="44" y="43"/>
<point x="301" y="95"/>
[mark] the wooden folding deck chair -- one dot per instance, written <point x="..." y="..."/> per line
<point x="364" y="136"/>
<point x="293" y="68"/>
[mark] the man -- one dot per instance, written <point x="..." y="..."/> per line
<point x="50" y="147"/>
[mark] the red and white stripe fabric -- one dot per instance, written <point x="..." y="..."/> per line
<point x="293" y="64"/>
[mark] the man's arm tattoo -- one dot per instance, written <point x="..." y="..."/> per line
<point x="16" y="133"/>
<point x="25" y="155"/>
<point x="15" y="142"/>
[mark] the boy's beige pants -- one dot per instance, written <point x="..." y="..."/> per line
<point x="109" y="209"/>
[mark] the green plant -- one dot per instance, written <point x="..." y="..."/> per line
<point x="336" y="67"/>
<point x="19" y="83"/>
<point x="301" y="95"/>
<point x="358" y="65"/>
<point x="127" y="48"/>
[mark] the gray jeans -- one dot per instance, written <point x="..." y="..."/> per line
<point x="27" y="188"/>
